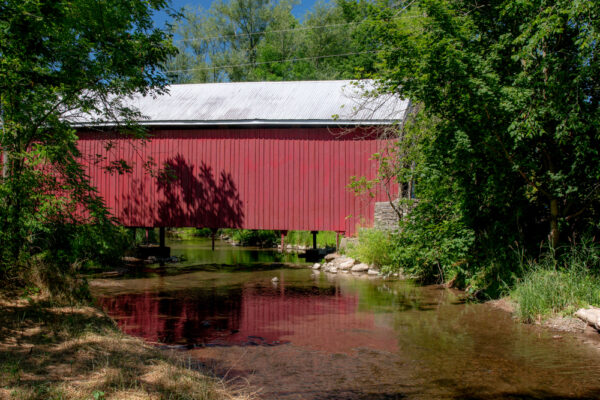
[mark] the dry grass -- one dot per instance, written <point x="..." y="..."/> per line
<point x="77" y="353"/>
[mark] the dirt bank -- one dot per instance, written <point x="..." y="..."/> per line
<point x="77" y="352"/>
<point x="557" y="323"/>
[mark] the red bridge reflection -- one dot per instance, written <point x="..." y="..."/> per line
<point x="317" y="317"/>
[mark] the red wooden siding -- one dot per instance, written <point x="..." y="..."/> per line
<point x="270" y="178"/>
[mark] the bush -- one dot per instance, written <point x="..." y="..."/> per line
<point x="253" y="238"/>
<point x="559" y="283"/>
<point x="373" y="247"/>
<point x="434" y="243"/>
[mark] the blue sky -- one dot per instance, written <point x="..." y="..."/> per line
<point x="299" y="10"/>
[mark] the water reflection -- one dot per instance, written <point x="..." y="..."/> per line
<point x="312" y="313"/>
<point x="319" y="336"/>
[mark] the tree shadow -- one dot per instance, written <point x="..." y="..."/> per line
<point x="73" y="352"/>
<point x="196" y="196"/>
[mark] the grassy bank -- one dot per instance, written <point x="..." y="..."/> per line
<point x="558" y="283"/>
<point x="49" y="352"/>
<point x="305" y="238"/>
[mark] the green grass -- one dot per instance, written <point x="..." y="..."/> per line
<point x="559" y="284"/>
<point x="305" y="238"/>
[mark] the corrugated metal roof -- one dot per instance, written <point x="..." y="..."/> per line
<point x="276" y="103"/>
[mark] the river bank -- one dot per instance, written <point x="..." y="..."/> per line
<point x="52" y="352"/>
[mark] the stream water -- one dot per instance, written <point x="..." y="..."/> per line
<point x="320" y="336"/>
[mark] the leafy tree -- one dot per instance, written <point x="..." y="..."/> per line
<point x="260" y="40"/>
<point x="61" y="61"/>
<point x="512" y="91"/>
<point x="222" y="43"/>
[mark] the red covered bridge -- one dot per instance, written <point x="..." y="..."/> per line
<point x="256" y="155"/>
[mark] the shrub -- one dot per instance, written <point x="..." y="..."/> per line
<point x="373" y="247"/>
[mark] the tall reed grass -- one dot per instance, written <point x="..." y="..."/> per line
<point x="560" y="282"/>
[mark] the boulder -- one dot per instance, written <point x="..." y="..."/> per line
<point x="373" y="271"/>
<point x="345" y="263"/>
<point x="590" y="315"/>
<point x="316" y="266"/>
<point x="275" y="280"/>
<point x="331" y="256"/>
<point x="362" y="267"/>
<point x="333" y="270"/>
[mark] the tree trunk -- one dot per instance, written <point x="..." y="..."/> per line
<point x="554" y="230"/>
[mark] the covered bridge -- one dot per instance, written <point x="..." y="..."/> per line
<point x="255" y="155"/>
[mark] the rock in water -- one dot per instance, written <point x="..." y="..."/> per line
<point x="275" y="280"/>
<point x="333" y="270"/>
<point x="316" y="266"/>
<point x="362" y="267"/>
<point x="373" y="271"/>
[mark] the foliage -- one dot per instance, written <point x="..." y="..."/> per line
<point x="62" y="61"/>
<point x="559" y="283"/>
<point x="305" y="238"/>
<point x="511" y="95"/>
<point x="373" y="247"/>
<point x="189" y="233"/>
<point x="246" y="237"/>
<point x="261" y="40"/>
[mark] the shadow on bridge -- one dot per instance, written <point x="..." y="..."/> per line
<point x="195" y="196"/>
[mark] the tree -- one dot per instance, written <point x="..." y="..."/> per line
<point x="513" y="88"/>
<point x="222" y="43"/>
<point x="60" y="61"/>
<point x="260" y="40"/>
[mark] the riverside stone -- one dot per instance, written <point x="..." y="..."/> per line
<point x="333" y="270"/>
<point x="372" y="271"/>
<point x="316" y="266"/>
<point x="590" y="315"/>
<point x="346" y="263"/>
<point x="331" y="256"/>
<point x="362" y="267"/>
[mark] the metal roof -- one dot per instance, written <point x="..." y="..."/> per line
<point x="341" y="102"/>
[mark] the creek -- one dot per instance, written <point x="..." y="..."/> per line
<point x="320" y="336"/>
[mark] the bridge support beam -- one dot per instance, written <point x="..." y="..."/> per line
<point x="161" y="236"/>
<point x="213" y="235"/>
<point x="314" y="234"/>
<point x="283" y="235"/>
